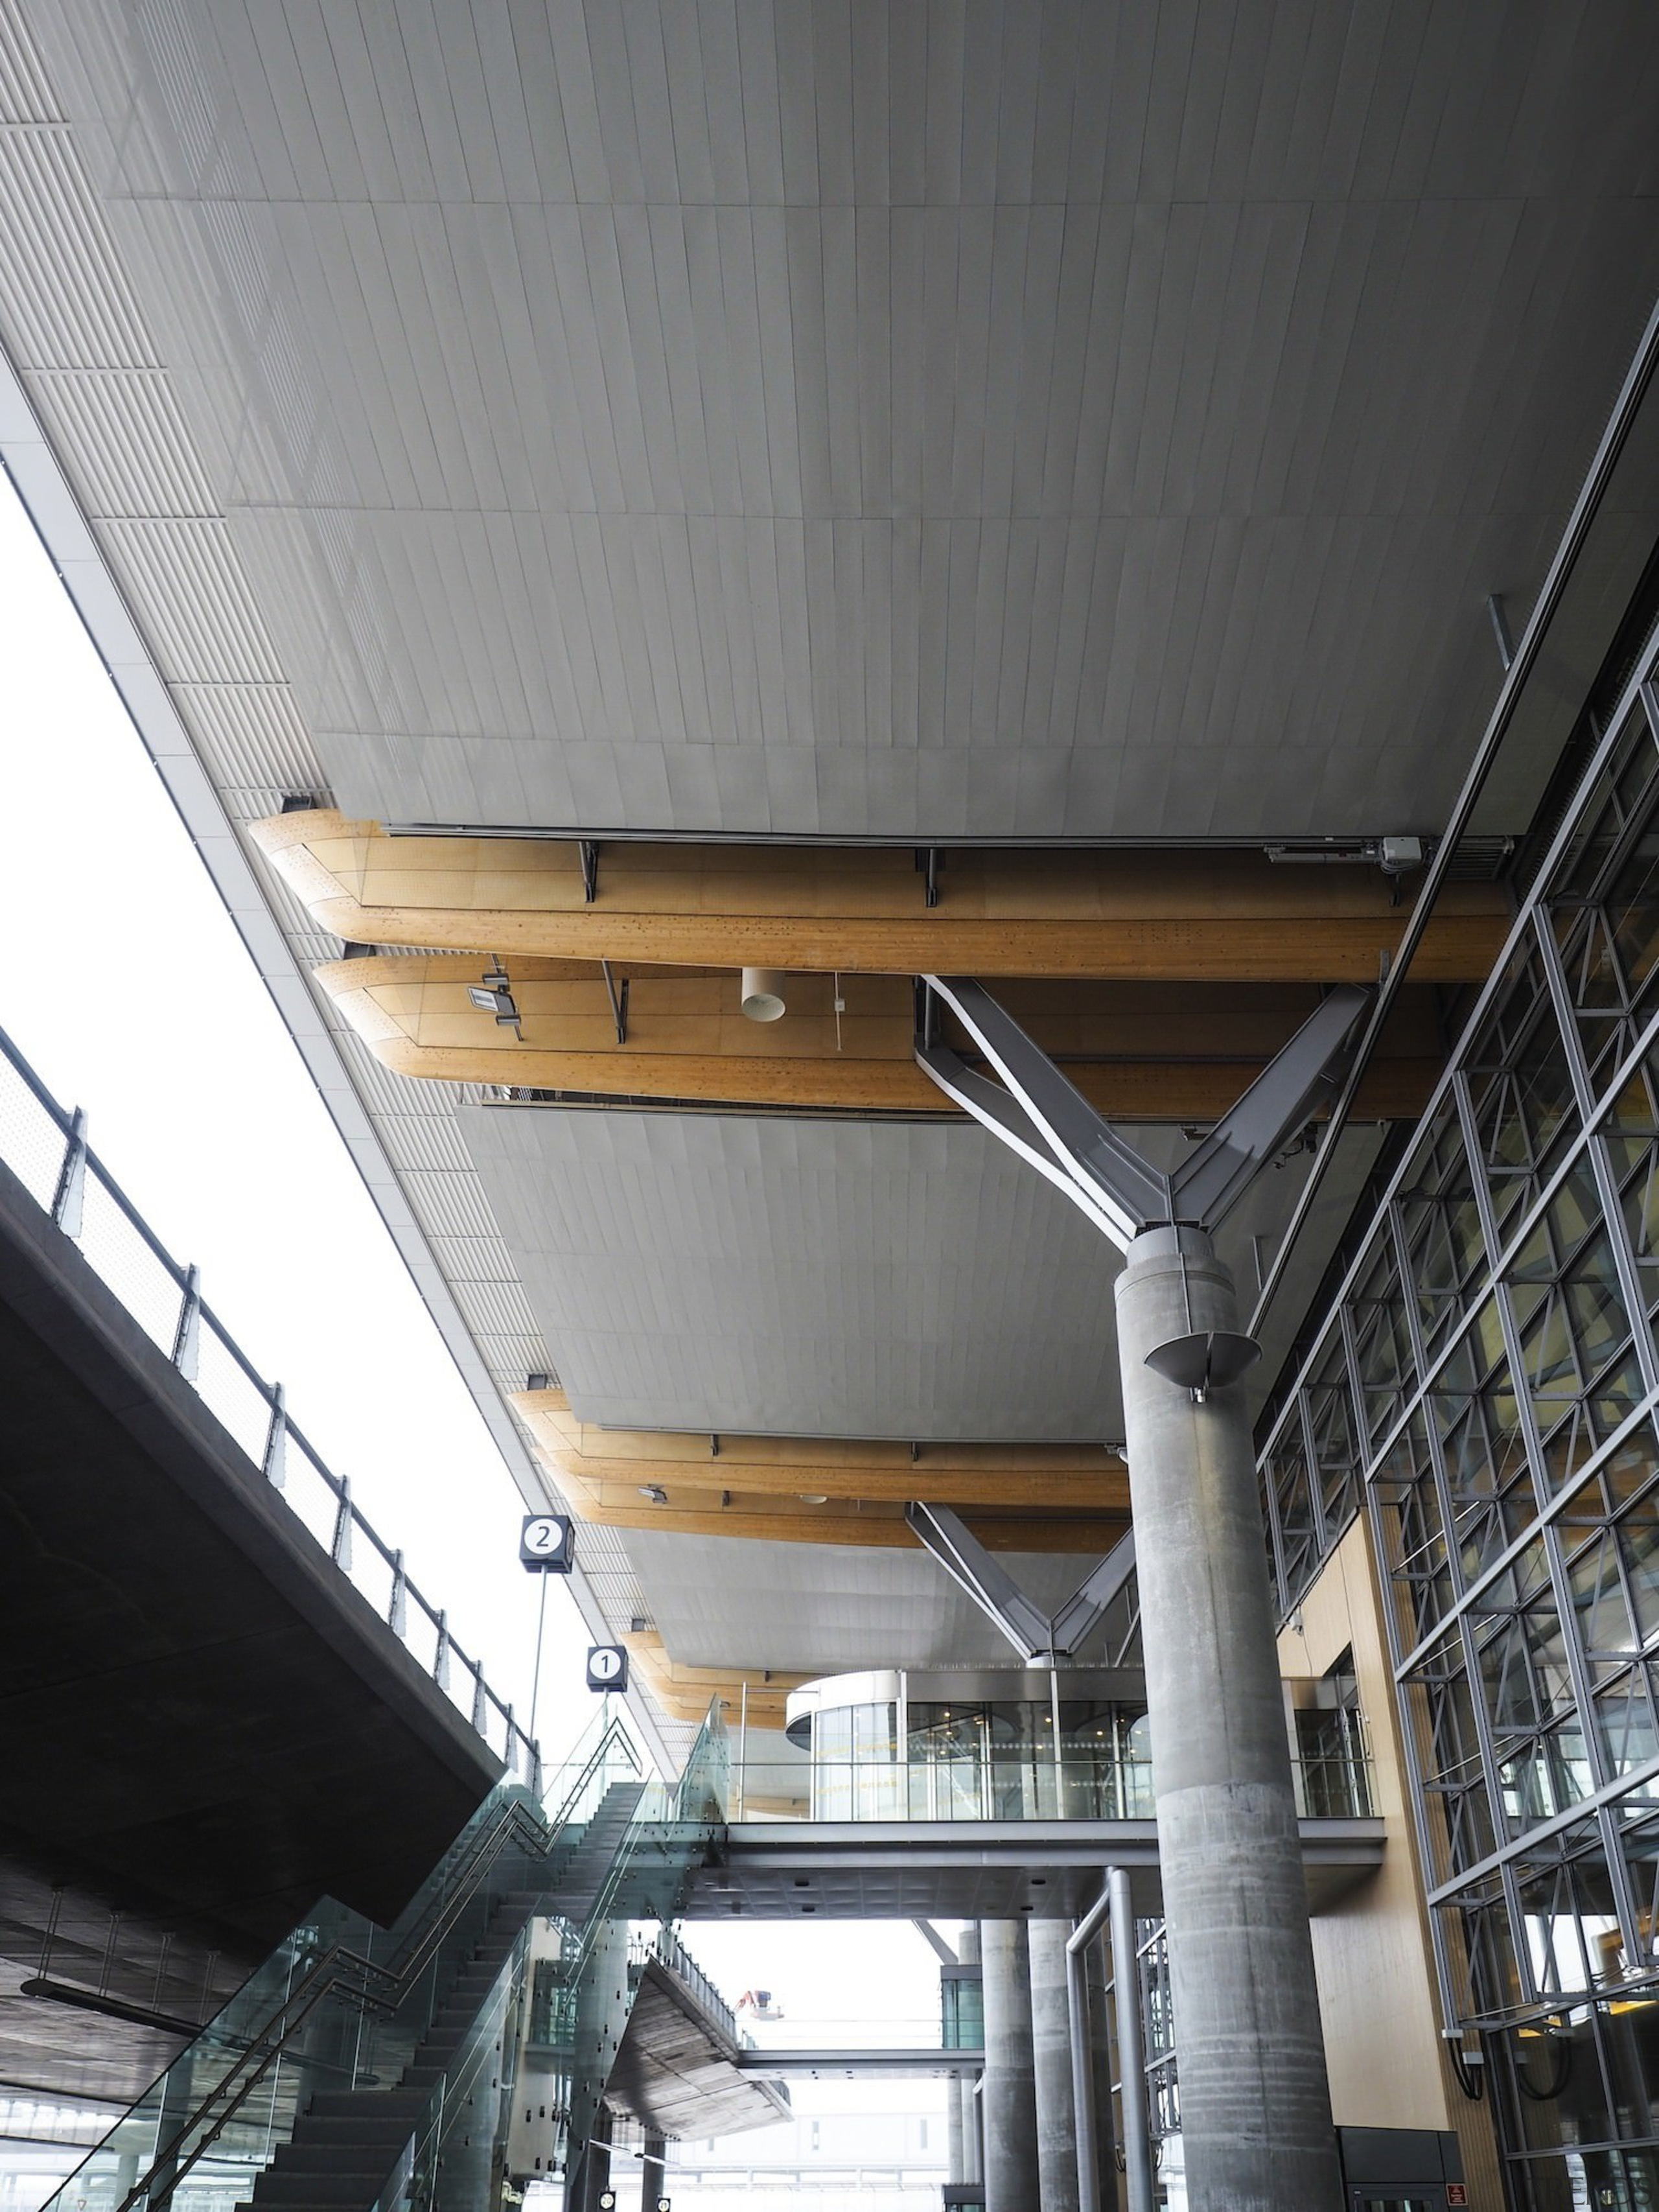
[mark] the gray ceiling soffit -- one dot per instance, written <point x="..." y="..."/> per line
<point x="799" y="1277"/>
<point x="823" y="1608"/>
<point x="1048" y="425"/>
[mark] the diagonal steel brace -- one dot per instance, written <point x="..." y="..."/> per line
<point x="1044" y="1118"/>
<point x="1033" y="1634"/>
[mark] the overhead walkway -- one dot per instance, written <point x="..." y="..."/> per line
<point x="825" y="2063"/>
<point x="971" y="1869"/>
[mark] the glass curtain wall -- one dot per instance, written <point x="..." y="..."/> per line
<point x="1486" y="1388"/>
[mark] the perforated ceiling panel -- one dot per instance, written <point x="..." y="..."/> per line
<point x="1045" y="419"/>
<point x="720" y="1272"/>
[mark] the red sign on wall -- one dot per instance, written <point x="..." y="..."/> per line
<point x="1458" y="2192"/>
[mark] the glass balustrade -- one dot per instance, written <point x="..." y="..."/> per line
<point x="1072" y="1744"/>
<point x="343" y="2005"/>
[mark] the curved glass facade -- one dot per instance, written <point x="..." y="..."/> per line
<point x="1017" y="1745"/>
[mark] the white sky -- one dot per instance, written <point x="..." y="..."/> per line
<point x="124" y="983"/>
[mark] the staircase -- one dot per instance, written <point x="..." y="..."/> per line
<point x="347" y="2145"/>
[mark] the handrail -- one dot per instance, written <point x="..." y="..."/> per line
<point x="672" y="1955"/>
<point x="195" y="1319"/>
<point x="331" y="1970"/>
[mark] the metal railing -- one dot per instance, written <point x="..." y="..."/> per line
<point x="46" y="1150"/>
<point x="241" y="2054"/>
<point x="1331" y="1781"/>
<point x="672" y="1955"/>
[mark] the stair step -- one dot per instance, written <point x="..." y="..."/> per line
<point x="330" y="2158"/>
<point x="333" y="2104"/>
<point x="360" y="2185"/>
<point x="357" y="2130"/>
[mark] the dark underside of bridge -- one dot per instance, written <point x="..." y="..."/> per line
<point x="204" y="1727"/>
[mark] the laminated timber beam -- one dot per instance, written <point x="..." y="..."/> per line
<point x="814" y="1499"/>
<point x="1131" y="914"/>
<point x="685" y="1694"/>
<point x="1138" y="1052"/>
<point x="610" y="1465"/>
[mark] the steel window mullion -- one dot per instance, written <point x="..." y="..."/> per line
<point x="1311" y="1461"/>
<point x="1416" y="1790"/>
<point x="1530" y="1992"/>
<point x="1626" y="1786"/>
<point x="1415" y="1403"/>
<point x="1560" y="1585"/>
<point x="1269" y="1487"/>
<point x="1639" y="691"/>
<point x="1565" y="1017"/>
<point x="1490" y="1764"/>
<point x="1607" y="1183"/>
<point x="1516" y="1545"/>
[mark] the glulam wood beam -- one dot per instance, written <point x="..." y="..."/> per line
<point x="611" y="1462"/>
<point x="1221" y="915"/>
<point x="685" y="1693"/>
<point x="1138" y="1052"/>
<point x="802" y="1490"/>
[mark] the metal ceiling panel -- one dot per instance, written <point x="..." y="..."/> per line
<point x="823" y="1608"/>
<point x="824" y="1278"/>
<point x="1074" y="421"/>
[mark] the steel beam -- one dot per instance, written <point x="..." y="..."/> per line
<point x="1040" y="1114"/>
<point x="989" y="1585"/>
<point x="1085" y="1609"/>
<point x="1211" y="1179"/>
<point x="1088" y="1150"/>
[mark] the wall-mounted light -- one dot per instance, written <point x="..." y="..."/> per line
<point x="763" y="994"/>
<point x="655" y="1491"/>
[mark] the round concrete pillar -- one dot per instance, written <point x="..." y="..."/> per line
<point x="652" y="2171"/>
<point x="1051" y="2064"/>
<point x="956" y="2168"/>
<point x="968" y="2097"/>
<point x="1008" y="2100"/>
<point x="1255" y="2102"/>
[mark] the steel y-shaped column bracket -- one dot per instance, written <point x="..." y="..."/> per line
<point x="1033" y="1634"/>
<point x="1044" y="1117"/>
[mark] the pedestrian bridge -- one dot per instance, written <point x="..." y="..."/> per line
<point x="972" y="1870"/>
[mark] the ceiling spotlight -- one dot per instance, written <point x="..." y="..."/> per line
<point x="655" y="1491"/>
<point x="813" y="1496"/>
<point x="763" y="994"/>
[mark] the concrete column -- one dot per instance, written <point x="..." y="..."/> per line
<point x="1008" y="2102"/>
<point x="1051" y="2061"/>
<point x="652" y="2176"/>
<point x="955" y="2156"/>
<point x="596" y="2164"/>
<point x="969" y="2102"/>
<point x="1255" y="2102"/>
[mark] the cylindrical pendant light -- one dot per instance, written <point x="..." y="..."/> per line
<point x="763" y="994"/>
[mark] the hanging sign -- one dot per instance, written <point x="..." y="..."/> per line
<point x="545" y="1544"/>
<point x="607" y="1668"/>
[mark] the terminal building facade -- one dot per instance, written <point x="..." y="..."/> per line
<point x="836" y="659"/>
